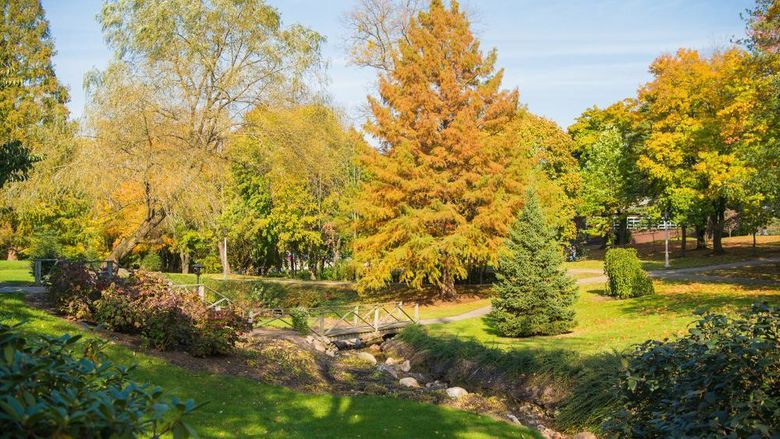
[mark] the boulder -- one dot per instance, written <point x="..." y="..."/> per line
<point x="375" y="348"/>
<point x="585" y="435"/>
<point x="389" y="369"/>
<point x="392" y="361"/>
<point x="405" y="366"/>
<point x="456" y="392"/>
<point x="367" y="357"/>
<point x="319" y="346"/>
<point x="408" y="382"/>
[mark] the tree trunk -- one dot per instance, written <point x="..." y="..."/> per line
<point x="754" y="242"/>
<point x="223" y="257"/>
<point x="126" y="245"/>
<point x="447" y="291"/>
<point x="185" y="262"/>
<point x="701" y="230"/>
<point x="684" y="242"/>
<point x="718" y="223"/>
<point x="12" y="255"/>
<point x="622" y="231"/>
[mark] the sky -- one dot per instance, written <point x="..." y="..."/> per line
<point x="563" y="55"/>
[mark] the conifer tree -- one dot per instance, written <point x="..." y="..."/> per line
<point x="534" y="295"/>
<point x="429" y="211"/>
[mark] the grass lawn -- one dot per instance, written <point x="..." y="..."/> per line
<point x="240" y="407"/>
<point x="16" y="272"/>
<point x="604" y="323"/>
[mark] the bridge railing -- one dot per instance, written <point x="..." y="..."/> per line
<point x="340" y="319"/>
<point x="212" y="297"/>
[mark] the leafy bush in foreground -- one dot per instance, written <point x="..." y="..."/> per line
<point x="721" y="380"/>
<point x="626" y="276"/>
<point x="47" y="389"/>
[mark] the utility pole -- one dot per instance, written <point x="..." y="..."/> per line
<point x="666" y="240"/>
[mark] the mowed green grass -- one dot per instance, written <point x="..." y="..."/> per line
<point x="16" y="272"/>
<point x="604" y="324"/>
<point x="238" y="407"/>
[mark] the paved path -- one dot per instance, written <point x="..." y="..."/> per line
<point x="679" y="273"/>
<point x="11" y="288"/>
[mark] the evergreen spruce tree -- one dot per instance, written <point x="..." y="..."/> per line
<point x="534" y="296"/>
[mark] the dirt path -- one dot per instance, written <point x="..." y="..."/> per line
<point x="692" y="273"/>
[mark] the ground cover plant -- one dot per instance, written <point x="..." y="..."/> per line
<point x="238" y="407"/>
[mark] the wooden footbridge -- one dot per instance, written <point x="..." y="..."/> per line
<point x="336" y="322"/>
<point x="342" y="322"/>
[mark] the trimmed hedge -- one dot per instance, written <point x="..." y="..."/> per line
<point x="49" y="388"/>
<point x="625" y="273"/>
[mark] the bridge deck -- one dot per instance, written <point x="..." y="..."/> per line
<point x="357" y="331"/>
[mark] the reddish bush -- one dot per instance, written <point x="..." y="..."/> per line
<point x="145" y="304"/>
<point x="73" y="288"/>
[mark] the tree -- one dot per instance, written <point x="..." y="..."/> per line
<point x="533" y="293"/>
<point x="184" y="75"/>
<point x="296" y="176"/>
<point x="16" y="161"/>
<point x="32" y="111"/>
<point x="608" y="142"/>
<point x="374" y="29"/>
<point x="692" y="143"/>
<point x="431" y="208"/>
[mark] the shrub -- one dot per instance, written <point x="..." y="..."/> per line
<point x="167" y="320"/>
<point x="73" y="288"/>
<point x="48" y="389"/>
<point x="300" y="320"/>
<point x="721" y="380"/>
<point x="151" y="262"/>
<point x="534" y="295"/>
<point x="625" y="273"/>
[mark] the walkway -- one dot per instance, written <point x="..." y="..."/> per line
<point x="691" y="273"/>
<point x="6" y="288"/>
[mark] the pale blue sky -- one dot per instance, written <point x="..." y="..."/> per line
<point x="563" y="55"/>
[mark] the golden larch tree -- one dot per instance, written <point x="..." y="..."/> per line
<point x="437" y="203"/>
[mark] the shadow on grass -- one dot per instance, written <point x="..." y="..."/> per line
<point x="682" y="301"/>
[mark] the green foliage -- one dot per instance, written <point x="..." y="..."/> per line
<point x="625" y="273"/>
<point x="534" y="295"/>
<point x="151" y="261"/>
<point x="50" y="389"/>
<point x="300" y="320"/>
<point x="16" y="161"/>
<point x="45" y="246"/>
<point x="721" y="380"/>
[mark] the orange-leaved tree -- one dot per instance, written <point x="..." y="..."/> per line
<point x="439" y="201"/>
